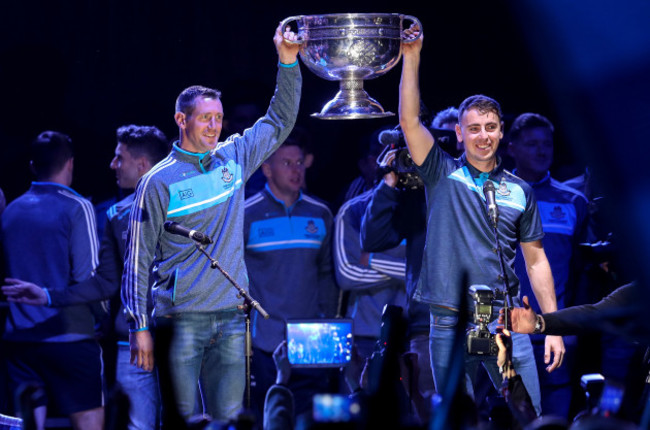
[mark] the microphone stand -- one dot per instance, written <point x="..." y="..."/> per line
<point x="247" y="306"/>
<point x="504" y="277"/>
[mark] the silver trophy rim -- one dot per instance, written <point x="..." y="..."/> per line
<point x="352" y="115"/>
<point x="352" y="15"/>
<point x="342" y="107"/>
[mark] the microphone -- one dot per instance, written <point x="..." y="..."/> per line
<point x="175" y="228"/>
<point x="493" y="211"/>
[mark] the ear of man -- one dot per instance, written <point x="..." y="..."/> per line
<point x="143" y="164"/>
<point x="179" y="117"/>
<point x="266" y="169"/>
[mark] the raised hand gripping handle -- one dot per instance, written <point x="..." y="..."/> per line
<point x="416" y="22"/>
<point x="285" y="22"/>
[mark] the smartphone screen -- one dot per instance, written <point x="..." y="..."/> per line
<point x="319" y="343"/>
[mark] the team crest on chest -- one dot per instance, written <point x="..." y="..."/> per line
<point x="503" y="187"/>
<point x="558" y="213"/>
<point x="311" y="227"/>
<point x="226" y="176"/>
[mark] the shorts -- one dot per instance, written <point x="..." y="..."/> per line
<point x="69" y="373"/>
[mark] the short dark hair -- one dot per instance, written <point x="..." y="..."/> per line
<point x="290" y="141"/>
<point x="49" y="153"/>
<point x="481" y="103"/>
<point x="142" y="140"/>
<point x="186" y="100"/>
<point x="444" y="116"/>
<point x="527" y="121"/>
<point x="296" y="138"/>
<point x="299" y="137"/>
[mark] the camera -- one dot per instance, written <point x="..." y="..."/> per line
<point x="402" y="165"/>
<point x="480" y="341"/>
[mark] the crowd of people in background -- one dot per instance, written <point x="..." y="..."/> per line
<point x="128" y="325"/>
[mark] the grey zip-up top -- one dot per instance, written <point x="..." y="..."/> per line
<point x="204" y="192"/>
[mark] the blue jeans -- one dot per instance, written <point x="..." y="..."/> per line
<point x="141" y="387"/>
<point x="419" y="343"/>
<point x="441" y="342"/>
<point x="208" y="349"/>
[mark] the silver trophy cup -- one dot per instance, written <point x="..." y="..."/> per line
<point x="351" y="48"/>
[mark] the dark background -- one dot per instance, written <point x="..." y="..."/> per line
<point x="87" y="67"/>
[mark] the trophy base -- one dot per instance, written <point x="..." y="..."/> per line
<point x="352" y="102"/>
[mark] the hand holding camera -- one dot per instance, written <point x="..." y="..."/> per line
<point x="504" y="356"/>
<point x="385" y="163"/>
<point x="395" y="161"/>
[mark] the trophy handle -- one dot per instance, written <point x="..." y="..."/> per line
<point x="285" y="22"/>
<point x="415" y="21"/>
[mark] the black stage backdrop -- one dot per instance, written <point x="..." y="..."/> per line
<point x="87" y="67"/>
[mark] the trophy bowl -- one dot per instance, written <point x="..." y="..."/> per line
<point x="351" y="48"/>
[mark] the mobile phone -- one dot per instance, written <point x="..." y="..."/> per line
<point x="319" y="342"/>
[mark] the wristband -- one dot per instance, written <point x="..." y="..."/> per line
<point x="288" y="66"/>
<point x="135" y="330"/>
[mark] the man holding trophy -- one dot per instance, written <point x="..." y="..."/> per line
<point x="460" y="245"/>
<point x="200" y="186"/>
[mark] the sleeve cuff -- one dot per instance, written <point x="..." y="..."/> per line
<point x="288" y="66"/>
<point x="133" y="325"/>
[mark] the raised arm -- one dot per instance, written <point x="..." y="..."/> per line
<point x="418" y="138"/>
<point x="287" y="52"/>
<point x="262" y="139"/>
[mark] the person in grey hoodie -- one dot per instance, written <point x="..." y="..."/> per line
<point x="200" y="185"/>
